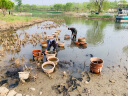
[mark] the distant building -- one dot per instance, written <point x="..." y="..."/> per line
<point x="124" y="7"/>
<point x="112" y="10"/>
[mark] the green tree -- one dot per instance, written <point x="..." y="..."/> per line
<point x="99" y="4"/>
<point x="6" y="4"/>
<point x="84" y="6"/>
<point x="89" y="6"/>
<point x="122" y="3"/>
<point x="113" y="4"/>
<point x="33" y="7"/>
<point x="68" y="6"/>
<point x="58" y="7"/>
<point x="19" y="4"/>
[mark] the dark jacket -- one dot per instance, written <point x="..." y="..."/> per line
<point x="51" y="42"/>
<point x="74" y="31"/>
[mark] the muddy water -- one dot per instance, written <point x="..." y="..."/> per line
<point x="48" y="66"/>
<point x="104" y="39"/>
<point x="53" y="59"/>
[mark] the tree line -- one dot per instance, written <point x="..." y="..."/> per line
<point x="93" y="5"/>
<point x="75" y="7"/>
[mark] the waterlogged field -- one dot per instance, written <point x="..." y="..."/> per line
<point x="105" y="39"/>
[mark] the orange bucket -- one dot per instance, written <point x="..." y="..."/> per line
<point x="36" y="51"/>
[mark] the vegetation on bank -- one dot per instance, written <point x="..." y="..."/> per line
<point x="94" y="5"/>
<point x="12" y="18"/>
<point x="100" y="16"/>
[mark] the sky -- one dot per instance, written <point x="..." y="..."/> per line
<point x="51" y="2"/>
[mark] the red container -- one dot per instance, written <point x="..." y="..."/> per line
<point x="77" y="43"/>
<point x="84" y="45"/>
<point x="36" y="51"/>
<point x="43" y="42"/>
<point x="37" y="54"/>
<point x="95" y="70"/>
<point x="96" y="65"/>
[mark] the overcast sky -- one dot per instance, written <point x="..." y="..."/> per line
<point x="51" y="2"/>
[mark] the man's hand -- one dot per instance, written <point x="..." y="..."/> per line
<point x="45" y="51"/>
<point x="55" y="50"/>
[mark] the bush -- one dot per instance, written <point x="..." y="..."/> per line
<point x="115" y="16"/>
<point x="92" y="11"/>
<point x="107" y="16"/>
<point x="93" y="15"/>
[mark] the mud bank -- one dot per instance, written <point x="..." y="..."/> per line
<point x="17" y="25"/>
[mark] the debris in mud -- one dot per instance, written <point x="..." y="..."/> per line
<point x="64" y="74"/>
<point x="33" y="89"/>
<point x="41" y="93"/>
<point x="13" y="72"/>
<point x="65" y="64"/>
<point x="112" y="81"/>
<point x="69" y="86"/>
<point x="13" y="83"/>
<point x="76" y="75"/>
<point x="79" y="95"/>
<point x="126" y="72"/>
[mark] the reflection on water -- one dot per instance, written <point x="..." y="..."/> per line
<point x="123" y="25"/>
<point x="125" y="50"/>
<point x="95" y="34"/>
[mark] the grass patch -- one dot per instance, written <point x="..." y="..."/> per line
<point x="53" y="12"/>
<point x="101" y="16"/>
<point x="11" y="18"/>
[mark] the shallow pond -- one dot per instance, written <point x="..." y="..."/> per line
<point x="105" y="39"/>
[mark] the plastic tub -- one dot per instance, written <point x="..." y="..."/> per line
<point x="53" y="59"/>
<point x="44" y="45"/>
<point x="81" y="39"/>
<point x="66" y="36"/>
<point x="50" y="54"/>
<point x="48" y="67"/>
<point x="61" y="44"/>
<point x="23" y="75"/>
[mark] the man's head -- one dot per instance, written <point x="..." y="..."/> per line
<point x="68" y="28"/>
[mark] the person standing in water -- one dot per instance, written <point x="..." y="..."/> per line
<point x="74" y="32"/>
<point x="51" y="42"/>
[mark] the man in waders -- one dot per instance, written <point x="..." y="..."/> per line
<point x="51" y="42"/>
<point x="74" y="32"/>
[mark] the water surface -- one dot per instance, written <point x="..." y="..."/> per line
<point x="105" y="39"/>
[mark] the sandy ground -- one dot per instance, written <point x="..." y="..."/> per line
<point x="111" y="82"/>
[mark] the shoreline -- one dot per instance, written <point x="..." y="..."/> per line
<point x="17" y="25"/>
<point x="21" y="24"/>
<point x="96" y="18"/>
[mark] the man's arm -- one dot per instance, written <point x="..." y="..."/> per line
<point x="47" y="47"/>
